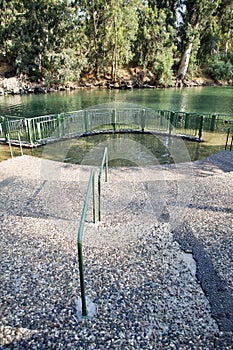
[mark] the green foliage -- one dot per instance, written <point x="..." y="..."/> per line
<point x="59" y="39"/>
<point x="197" y="17"/>
<point x="155" y="48"/>
<point x="67" y="67"/>
<point x="220" y="67"/>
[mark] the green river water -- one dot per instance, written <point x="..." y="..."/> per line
<point x="204" y="99"/>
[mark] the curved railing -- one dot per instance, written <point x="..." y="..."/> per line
<point x="40" y="130"/>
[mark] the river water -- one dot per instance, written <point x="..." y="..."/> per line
<point x="199" y="99"/>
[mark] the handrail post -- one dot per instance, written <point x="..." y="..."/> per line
<point x="99" y="196"/>
<point x="104" y="162"/>
<point x="79" y="246"/>
<point x="82" y="283"/>
<point x="93" y="198"/>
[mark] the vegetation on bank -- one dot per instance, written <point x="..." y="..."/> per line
<point x="59" y="41"/>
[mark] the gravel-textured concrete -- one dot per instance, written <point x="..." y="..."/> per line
<point x="158" y="268"/>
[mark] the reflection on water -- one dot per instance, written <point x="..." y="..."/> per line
<point x="124" y="149"/>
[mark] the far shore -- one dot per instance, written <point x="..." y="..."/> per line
<point x="16" y="86"/>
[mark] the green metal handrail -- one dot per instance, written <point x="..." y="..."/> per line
<point x="91" y="184"/>
<point x="104" y="163"/>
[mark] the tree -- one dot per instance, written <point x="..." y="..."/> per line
<point x="42" y="31"/>
<point x="60" y="39"/>
<point x="155" y="47"/>
<point x="121" y="27"/>
<point x="225" y="17"/>
<point x="169" y="6"/>
<point x="111" y="27"/>
<point x="196" y="15"/>
<point x="12" y="13"/>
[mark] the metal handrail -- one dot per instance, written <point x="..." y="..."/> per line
<point x="91" y="184"/>
<point x="104" y="163"/>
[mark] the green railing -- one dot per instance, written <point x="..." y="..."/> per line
<point x="91" y="186"/>
<point x="40" y="130"/>
<point x="229" y="138"/>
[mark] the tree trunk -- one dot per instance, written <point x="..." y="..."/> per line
<point x="228" y="34"/>
<point x="114" y="63"/>
<point x="185" y="61"/>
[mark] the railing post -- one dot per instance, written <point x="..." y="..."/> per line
<point x="4" y="128"/>
<point x="58" y="122"/>
<point x="200" y="127"/>
<point x="114" y="119"/>
<point x="29" y="129"/>
<point x="9" y="141"/>
<point x="231" y="143"/>
<point x="86" y="121"/>
<point x="228" y="134"/>
<point x="171" y="121"/>
<point x="20" y="144"/>
<point x="39" y="130"/>
<point x="213" y="122"/>
<point x="143" y="121"/>
<point x="186" y="121"/>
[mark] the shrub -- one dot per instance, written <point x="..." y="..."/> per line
<point x="65" y="66"/>
<point x="220" y="68"/>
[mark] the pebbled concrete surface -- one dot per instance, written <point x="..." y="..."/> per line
<point x="159" y="267"/>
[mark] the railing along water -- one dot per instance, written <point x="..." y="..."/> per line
<point x="91" y="185"/>
<point x="37" y="131"/>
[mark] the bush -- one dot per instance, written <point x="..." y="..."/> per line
<point x="65" y="66"/>
<point x="220" y="68"/>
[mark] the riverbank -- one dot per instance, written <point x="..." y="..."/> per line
<point x="157" y="276"/>
<point x="128" y="79"/>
